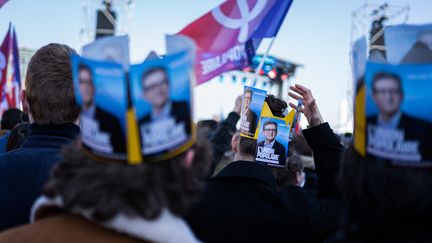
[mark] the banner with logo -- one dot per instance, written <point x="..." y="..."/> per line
<point x="226" y="35"/>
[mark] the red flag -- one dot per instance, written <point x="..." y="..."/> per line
<point x="224" y="36"/>
<point x="10" y="80"/>
<point x="13" y="87"/>
<point x="2" y="2"/>
<point x="4" y="60"/>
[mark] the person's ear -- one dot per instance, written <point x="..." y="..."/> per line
<point x="24" y="102"/>
<point x="189" y="158"/>
<point x="235" y="143"/>
<point x="300" y="178"/>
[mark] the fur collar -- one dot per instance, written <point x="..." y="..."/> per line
<point x="166" y="228"/>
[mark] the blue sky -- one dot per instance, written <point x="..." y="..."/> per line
<point x="315" y="33"/>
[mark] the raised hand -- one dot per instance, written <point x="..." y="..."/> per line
<point x="237" y="104"/>
<point x="309" y="107"/>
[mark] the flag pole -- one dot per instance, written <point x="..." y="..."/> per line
<point x="261" y="64"/>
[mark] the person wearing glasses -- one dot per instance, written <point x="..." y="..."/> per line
<point x="407" y="137"/>
<point x="169" y="121"/>
<point x="274" y="149"/>
<point x="249" y="118"/>
<point x="94" y="119"/>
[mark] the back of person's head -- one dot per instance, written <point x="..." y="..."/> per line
<point x="18" y="136"/>
<point x="10" y="118"/>
<point x="109" y="188"/>
<point x="299" y="144"/>
<point x="207" y="127"/>
<point x="247" y="146"/>
<point x="49" y="92"/>
<point x="276" y="105"/>
<point x="386" y="201"/>
<point x="288" y="175"/>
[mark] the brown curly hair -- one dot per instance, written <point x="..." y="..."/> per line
<point x="107" y="189"/>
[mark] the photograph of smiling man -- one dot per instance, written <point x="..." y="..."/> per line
<point x="269" y="149"/>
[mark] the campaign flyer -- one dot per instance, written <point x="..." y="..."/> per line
<point x="399" y="112"/>
<point x="100" y="90"/>
<point x="252" y="104"/>
<point x="272" y="144"/>
<point x="161" y="93"/>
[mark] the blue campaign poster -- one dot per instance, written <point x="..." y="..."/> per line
<point x="100" y="91"/>
<point x="399" y="112"/>
<point x="161" y="93"/>
<point x="252" y="103"/>
<point x="272" y="144"/>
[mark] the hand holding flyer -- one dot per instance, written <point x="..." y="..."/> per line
<point x="273" y="135"/>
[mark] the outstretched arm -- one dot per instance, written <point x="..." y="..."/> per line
<point x="326" y="209"/>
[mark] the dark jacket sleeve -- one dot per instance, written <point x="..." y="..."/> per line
<point x="325" y="210"/>
<point x="222" y="139"/>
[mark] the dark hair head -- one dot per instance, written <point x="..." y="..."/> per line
<point x="142" y="190"/>
<point x="384" y="199"/>
<point x="18" y="136"/>
<point x="248" y="90"/>
<point x="299" y="144"/>
<point x="386" y="75"/>
<point x="152" y="71"/>
<point x="10" y="118"/>
<point x="276" y="105"/>
<point x="288" y="175"/>
<point x="49" y="87"/>
<point x="247" y="146"/>
<point x="207" y="127"/>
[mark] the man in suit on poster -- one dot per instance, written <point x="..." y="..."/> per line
<point x="270" y="131"/>
<point x="248" y="117"/>
<point x="415" y="133"/>
<point x="168" y="120"/>
<point x="91" y="113"/>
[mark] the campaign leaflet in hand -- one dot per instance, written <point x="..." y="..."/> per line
<point x="161" y="93"/>
<point x="408" y="44"/>
<point x="296" y="120"/>
<point x="272" y="144"/>
<point x="252" y="104"/>
<point x="100" y="90"/>
<point x="399" y="112"/>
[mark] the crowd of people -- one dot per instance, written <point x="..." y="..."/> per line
<point x="52" y="190"/>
